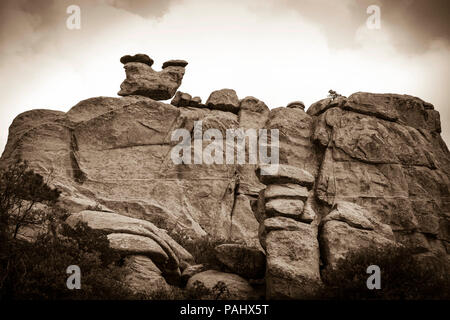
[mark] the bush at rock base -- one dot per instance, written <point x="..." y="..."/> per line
<point x="202" y="249"/>
<point x="404" y="276"/>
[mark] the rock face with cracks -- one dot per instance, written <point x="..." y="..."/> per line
<point x="370" y="169"/>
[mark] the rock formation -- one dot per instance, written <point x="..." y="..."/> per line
<point x="144" y="81"/>
<point x="367" y="169"/>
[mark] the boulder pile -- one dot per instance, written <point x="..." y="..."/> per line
<point x="287" y="233"/>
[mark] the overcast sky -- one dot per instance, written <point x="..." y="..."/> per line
<point x="275" y="50"/>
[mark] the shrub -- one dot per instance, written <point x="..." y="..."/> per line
<point x="37" y="270"/>
<point x="202" y="249"/>
<point x="20" y="191"/>
<point x="403" y="276"/>
<point x="199" y="291"/>
<point x="333" y="94"/>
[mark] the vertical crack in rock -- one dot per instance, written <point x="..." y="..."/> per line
<point x="323" y="208"/>
<point x="78" y="174"/>
<point x="233" y="205"/>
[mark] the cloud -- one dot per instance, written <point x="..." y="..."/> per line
<point x="413" y="25"/>
<point x="144" y="8"/>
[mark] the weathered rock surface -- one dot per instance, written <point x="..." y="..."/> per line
<point x="296" y="147"/>
<point x="224" y="99"/>
<point x="280" y="174"/>
<point x="113" y="223"/>
<point x="144" y="81"/>
<point x="242" y="260"/>
<point x="285" y="208"/>
<point x="288" y="190"/>
<point x="181" y="99"/>
<point x="292" y="262"/>
<point x="237" y="287"/>
<point x="144" y="277"/>
<point x="338" y="239"/>
<point x="133" y="244"/>
<point x="384" y="153"/>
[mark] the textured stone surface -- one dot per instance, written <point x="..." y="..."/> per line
<point x="288" y="190"/>
<point x="115" y="223"/>
<point x="144" y="277"/>
<point x="181" y="99"/>
<point x="295" y="145"/>
<point x="338" y="239"/>
<point x="142" y="80"/>
<point x="224" y="99"/>
<point x="284" y="207"/>
<point x="237" y="287"/>
<point x="242" y="260"/>
<point x="279" y="174"/>
<point x="292" y="263"/>
<point x="133" y="244"/>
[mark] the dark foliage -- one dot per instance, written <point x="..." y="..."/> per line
<point x="404" y="276"/>
<point x="37" y="269"/>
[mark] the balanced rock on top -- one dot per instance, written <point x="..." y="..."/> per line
<point x="142" y="80"/>
<point x="143" y="58"/>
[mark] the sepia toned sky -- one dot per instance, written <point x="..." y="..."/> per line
<point x="276" y="50"/>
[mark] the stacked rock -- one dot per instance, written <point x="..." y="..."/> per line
<point x="144" y="81"/>
<point x="183" y="99"/>
<point x="288" y="232"/>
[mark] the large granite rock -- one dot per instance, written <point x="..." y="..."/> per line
<point x="143" y="277"/>
<point x="133" y="244"/>
<point x="338" y="240"/>
<point x="384" y="153"/>
<point x="292" y="261"/>
<point x="133" y="229"/>
<point x="224" y="99"/>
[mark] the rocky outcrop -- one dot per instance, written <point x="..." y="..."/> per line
<point x="370" y="169"/>
<point x="384" y="153"/>
<point x="144" y="81"/>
